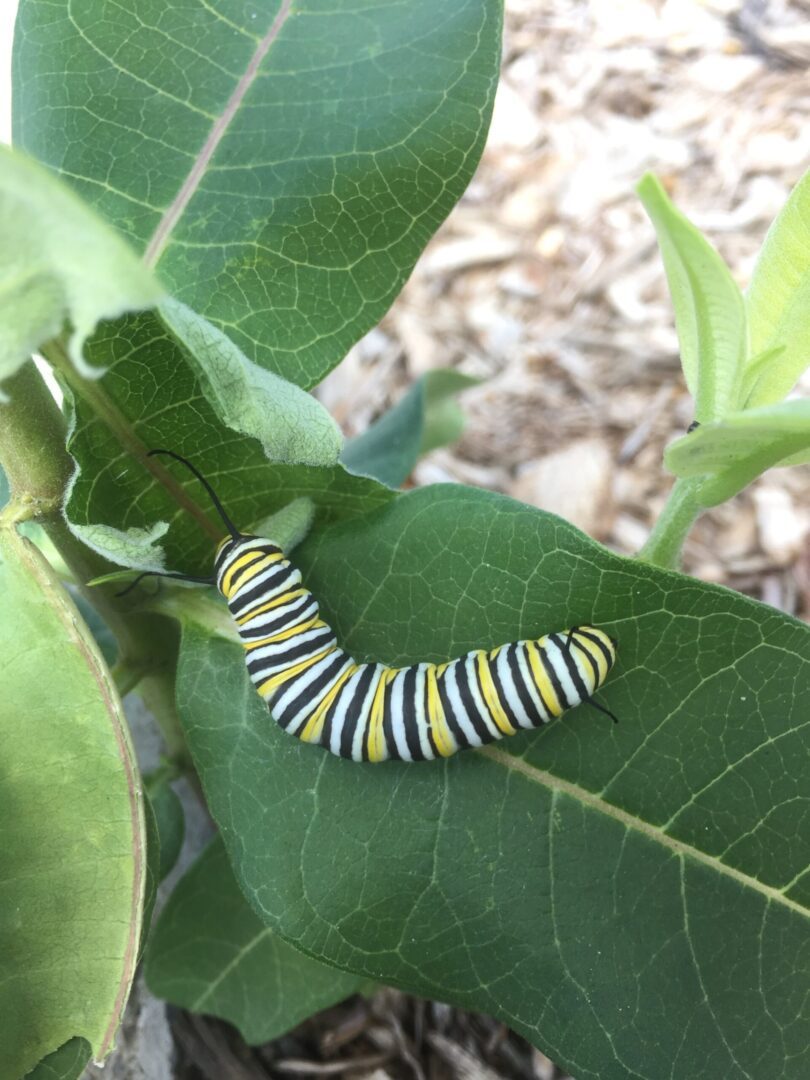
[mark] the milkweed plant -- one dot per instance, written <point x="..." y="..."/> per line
<point x="206" y="206"/>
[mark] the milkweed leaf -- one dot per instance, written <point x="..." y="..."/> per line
<point x="709" y="307"/>
<point x="281" y="166"/>
<point x="58" y="261"/>
<point x="427" y="416"/>
<point x="211" y="953"/>
<point x="121" y="501"/>
<point x="169" y="821"/>
<point x="72" y="879"/>
<point x="733" y="452"/>
<point x="66" y="1063"/>
<point x="601" y="888"/>
<point x="778" y="301"/>
<point x="289" y="423"/>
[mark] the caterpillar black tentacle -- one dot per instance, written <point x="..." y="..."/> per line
<point x="370" y="712"/>
<point x="162" y="573"/>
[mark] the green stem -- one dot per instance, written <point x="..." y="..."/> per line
<point x="663" y="548"/>
<point x="32" y="446"/>
<point x="95" y="398"/>
<point x="38" y="467"/>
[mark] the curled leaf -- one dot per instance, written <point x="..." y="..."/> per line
<point x="133" y="547"/>
<point x="58" y="261"/>
<point x="291" y="425"/>
<point x="778" y="302"/>
<point x="737" y="449"/>
<point x="709" y="308"/>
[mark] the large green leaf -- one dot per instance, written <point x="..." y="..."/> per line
<point x="211" y="953"/>
<point x="72" y="854"/>
<point x="709" y="307"/>
<point x="427" y="416"/>
<point x="631" y="897"/>
<point x="150" y="512"/>
<point x="282" y="164"/>
<point x="778" y="300"/>
<point x="58" y="260"/>
<point x="732" y="453"/>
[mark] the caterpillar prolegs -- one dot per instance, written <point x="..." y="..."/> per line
<point x="370" y="712"/>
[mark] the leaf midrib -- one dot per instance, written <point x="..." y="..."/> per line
<point x="630" y="821"/>
<point x="233" y="963"/>
<point x="96" y="398"/>
<point x="175" y="211"/>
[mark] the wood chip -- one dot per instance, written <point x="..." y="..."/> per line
<point x="574" y="483"/>
<point x="466" y="1066"/>
<point x="784" y="528"/>
<point x="296" y="1067"/>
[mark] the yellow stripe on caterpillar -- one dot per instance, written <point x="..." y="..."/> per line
<point x="442" y="736"/>
<point x="252" y="570"/>
<point x="236" y="566"/>
<point x="270" y="685"/>
<point x="285" y="635"/>
<point x="490" y="694"/>
<point x="312" y="730"/>
<point x="541" y="679"/>
<point x="278" y="601"/>
<point x="375" y="741"/>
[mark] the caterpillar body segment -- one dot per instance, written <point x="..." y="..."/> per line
<point x="370" y="712"/>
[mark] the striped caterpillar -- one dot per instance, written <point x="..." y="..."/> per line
<point x="370" y="712"/>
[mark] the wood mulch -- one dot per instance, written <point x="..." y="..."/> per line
<point x="389" y="1036"/>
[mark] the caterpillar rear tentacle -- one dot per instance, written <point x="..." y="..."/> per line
<point x="370" y="712"/>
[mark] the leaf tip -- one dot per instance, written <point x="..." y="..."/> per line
<point x="652" y="193"/>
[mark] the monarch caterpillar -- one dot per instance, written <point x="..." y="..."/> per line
<point x="370" y="712"/>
